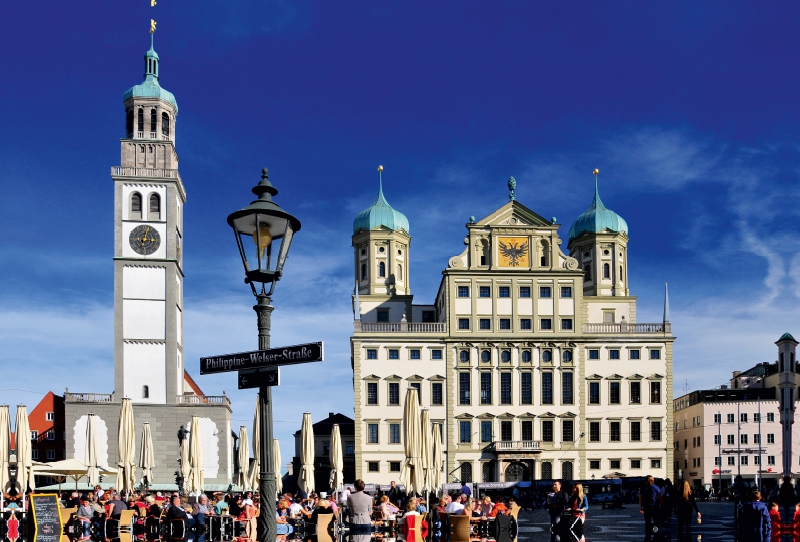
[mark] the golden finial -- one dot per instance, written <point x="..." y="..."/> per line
<point x="152" y="26"/>
<point x="153" y="3"/>
<point x="380" y="168"/>
<point x="596" y="171"/>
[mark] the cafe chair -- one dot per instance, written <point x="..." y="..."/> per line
<point x="323" y="526"/>
<point x="460" y="525"/>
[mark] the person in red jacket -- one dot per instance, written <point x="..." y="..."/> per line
<point x="775" y="520"/>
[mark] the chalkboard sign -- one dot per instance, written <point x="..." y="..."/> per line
<point x="46" y="517"/>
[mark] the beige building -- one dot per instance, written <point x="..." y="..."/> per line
<point x="530" y="360"/>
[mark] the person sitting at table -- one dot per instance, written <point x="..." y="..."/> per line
<point x="411" y="508"/>
<point x="486" y="506"/>
<point x="387" y="508"/>
<point x="474" y="509"/>
<point x="85" y="510"/>
<point x="455" y="506"/>
<point x="498" y="508"/>
<point x="441" y="506"/>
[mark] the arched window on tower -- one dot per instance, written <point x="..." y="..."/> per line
<point x="620" y="273"/>
<point x="363" y="271"/>
<point x="544" y="260"/>
<point x="587" y="273"/>
<point x="382" y="270"/>
<point x="606" y="271"/>
<point x="129" y="124"/>
<point x="153" y="123"/>
<point x="399" y="272"/>
<point x="145" y="392"/>
<point x="165" y="124"/>
<point x="140" y="122"/>
<point x="154" y="210"/>
<point x="136" y="206"/>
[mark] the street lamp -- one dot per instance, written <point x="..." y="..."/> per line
<point x="264" y="231"/>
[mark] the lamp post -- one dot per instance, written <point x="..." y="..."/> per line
<point x="270" y="230"/>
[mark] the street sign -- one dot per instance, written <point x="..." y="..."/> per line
<point x="274" y="357"/>
<point x="270" y="376"/>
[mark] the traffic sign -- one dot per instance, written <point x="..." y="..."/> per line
<point x="274" y="357"/>
<point x="271" y="376"/>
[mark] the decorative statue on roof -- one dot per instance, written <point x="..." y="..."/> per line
<point x="512" y="186"/>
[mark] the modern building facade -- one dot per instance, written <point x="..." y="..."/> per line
<point x="149" y="198"/>
<point x="530" y="360"/>
<point x="736" y="429"/>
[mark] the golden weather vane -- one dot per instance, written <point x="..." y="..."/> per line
<point x="153" y="3"/>
<point x="153" y="21"/>
<point x="596" y="171"/>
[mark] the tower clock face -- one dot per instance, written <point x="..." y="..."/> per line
<point x="144" y="240"/>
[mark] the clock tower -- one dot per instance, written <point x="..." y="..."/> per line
<point x="148" y="230"/>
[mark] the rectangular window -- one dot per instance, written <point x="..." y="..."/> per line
<point x="770" y="438"/>
<point x="504" y="291"/>
<point x="526" y="389"/>
<point x="594" y="393"/>
<point x="417" y="386"/>
<point x="566" y="388"/>
<point x="463" y="291"/>
<point x="770" y="460"/>
<point x="524" y="291"/>
<point x="372" y="433"/>
<point x="464" y="432"/>
<point x="655" y="354"/>
<point x="547" y="388"/>
<point x="547" y="430"/>
<point x="731" y="439"/>
<point x="486" y="388"/>
<point x="350" y="448"/>
<point x="394" y="466"/>
<point x="717" y="440"/>
<point x="567" y="431"/>
<point x="613" y="393"/>
<point x="51" y="416"/>
<point x="613" y="354"/>
<point x="463" y="323"/>
<point x="756" y="438"/>
<point x="372" y="393"/>
<point x="655" y="463"/>
<point x="755" y="460"/>
<point x="594" y="464"/>
<point x="614" y="431"/>
<point x="485" y="323"/>
<point x="463" y="388"/>
<point x="743" y="438"/>
<point x="731" y="418"/>
<point x="756" y="417"/>
<point x="505" y="388"/>
<point x="436" y="354"/>
<point x="544" y="291"/>
<point x="372" y="353"/>
<point x="35" y="455"/>
<point x="484" y="291"/>
<point x="394" y="433"/>
<point x="505" y="323"/>
<point x="770" y="416"/>
<point x="743" y="417"/>
<point x="636" y="393"/>
<point x="525" y="323"/>
<point x="594" y="354"/>
<point x="615" y="464"/>
<point x="745" y="460"/>
<point x="373" y="466"/>
<point x="731" y="460"/>
<point x="383" y="315"/>
<point x="413" y="353"/>
<point x="717" y="418"/>
<point x="546" y="323"/>
<point x="486" y="431"/>
<point x="51" y="454"/>
<point x="636" y="463"/>
<point x="655" y="393"/>
<point x="594" y="431"/>
<point x="505" y="431"/>
<point x="394" y="353"/>
<point x="394" y="393"/>
<point x="436" y="393"/>
<point x="634" y="354"/>
<point x="655" y="431"/>
<point x="527" y="430"/>
<point x="636" y="431"/>
<point x="51" y="435"/>
<point x="566" y="324"/>
<point x="717" y="461"/>
<point x="566" y="291"/>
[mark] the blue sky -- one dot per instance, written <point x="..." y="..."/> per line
<point x="689" y="109"/>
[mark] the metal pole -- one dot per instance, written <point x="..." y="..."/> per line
<point x="267" y="527"/>
<point x="719" y="451"/>
<point x="739" y="444"/>
<point x="760" y="469"/>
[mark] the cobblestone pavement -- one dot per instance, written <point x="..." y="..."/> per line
<point x="628" y="524"/>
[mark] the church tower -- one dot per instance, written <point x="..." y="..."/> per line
<point x="148" y="229"/>
<point x="599" y="241"/>
<point x="381" y="244"/>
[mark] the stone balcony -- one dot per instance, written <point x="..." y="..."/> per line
<point x="159" y="173"/>
<point x="516" y="448"/>
<point x="88" y="397"/>
<point x="625" y="327"/>
<point x="399" y="327"/>
<point x="221" y="400"/>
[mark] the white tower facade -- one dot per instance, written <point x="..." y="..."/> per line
<point x="148" y="229"/>
<point x="786" y="385"/>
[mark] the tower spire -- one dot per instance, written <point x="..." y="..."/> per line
<point x="380" y="182"/>
<point x="666" y="303"/>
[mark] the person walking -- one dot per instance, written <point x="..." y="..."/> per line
<point x="649" y="499"/>
<point x="360" y="506"/>
<point x="556" y="503"/>
<point x="684" y="504"/>
<point x="577" y="505"/>
<point x="755" y="524"/>
<point x="786" y="497"/>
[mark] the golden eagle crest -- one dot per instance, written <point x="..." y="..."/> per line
<point x="514" y="251"/>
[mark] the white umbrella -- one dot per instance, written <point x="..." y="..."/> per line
<point x="426" y="443"/>
<point x="243" y="478"/>
<point x="436" y="458"/>
<point x="255" y="477"/>
<point x="73" y="468"/>
<point x="196" y="457"/>
<point x="147" y="459"/>
<point x="305" y="480"/>
<point x="276" y="454"/>
<point x="337" y="463"/>
<point x="92" y="454"/>
<point x="5" y="447"/>
<point x="126" y="440"/>
<point x="412" y="474"/>
<point x="25" y="479"/>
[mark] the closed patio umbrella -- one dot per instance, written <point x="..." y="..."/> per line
<point x="305" y="479"/>
<point x="426" y="439"/>
<point x="5" y="448"/>
<point x="243" y="478"/>
<point x="196" y="483"/>
<point x="335" y="454"/>
<point x="25" y="479"/>
<point x="126" y="440"/>
<point x="186" y="467"/>
<point x="412" y="474"/>
<point x="276" y="454"/>
<point x="436" y="458"/>
<point x="255" y="473"/>
<point x="147" y="459"/>
<point x="92" y="454"/>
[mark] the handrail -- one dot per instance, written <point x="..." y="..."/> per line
<point x="624" y="327"/>
<point x="400" y="327"/>
<point x="119" y="171"/>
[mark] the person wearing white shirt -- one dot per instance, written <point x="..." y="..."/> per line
<point x="295" y="509"/>
<point x="454" y="507"/>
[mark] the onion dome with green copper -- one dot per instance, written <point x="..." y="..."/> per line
<point x="149" y="88"/>
<point x="380" y="213"/>
<point x="598" y="218"/>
